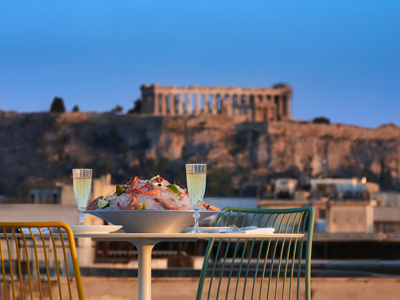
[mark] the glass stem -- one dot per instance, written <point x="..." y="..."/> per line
<point x="82" y="218"/>
<point x="196" y="216"/>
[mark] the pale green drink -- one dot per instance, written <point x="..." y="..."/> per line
<point x="196" y="183"/>
<point x="82" y="187"/>
<point x="82" y="180"/>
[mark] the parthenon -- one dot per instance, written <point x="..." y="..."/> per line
<point x="257" y="104"/>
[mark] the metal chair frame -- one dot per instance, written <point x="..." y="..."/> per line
<point x="294" y="220"/>
<point x="16" y="236"/>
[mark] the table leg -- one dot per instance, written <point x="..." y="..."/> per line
<point x="144" y="249"/>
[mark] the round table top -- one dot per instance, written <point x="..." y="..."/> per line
<point x="122" y="236"/>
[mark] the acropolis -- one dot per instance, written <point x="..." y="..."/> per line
<point x="257" y="104"/>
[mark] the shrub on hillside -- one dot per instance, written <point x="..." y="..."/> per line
<point x="75" y="108"/>
<point x="57" y="106"/>
<point x="321" y="120"/>
<point x="137" y="107"/>
<point x="117" y="109"/>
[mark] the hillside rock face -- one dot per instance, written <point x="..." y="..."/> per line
<point x="44" y="147"/>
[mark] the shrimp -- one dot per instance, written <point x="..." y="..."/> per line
<point x="168" y="206"/>
<point x="132" y="204"/>
<point x="132" y="185"/>
<point x="210" y="207"/>
<point x="151" y="189"/>
<point x="159" y="179"/>
<point x="127" y="207"/>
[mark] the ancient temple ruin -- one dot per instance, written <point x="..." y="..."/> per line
<point x="258" y="104"/>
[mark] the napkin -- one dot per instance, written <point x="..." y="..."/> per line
<point x="44" y="230"/>
<point x="260" y="230"/>
<point x="35" y="230"/>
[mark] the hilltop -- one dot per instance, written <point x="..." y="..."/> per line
<point x="38" y="149"/>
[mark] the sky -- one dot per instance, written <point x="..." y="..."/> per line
<point x="342" y="58"/>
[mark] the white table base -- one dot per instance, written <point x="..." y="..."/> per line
<point x="144" y="268"/>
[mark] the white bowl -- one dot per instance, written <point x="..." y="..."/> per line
<point x="151" y="221"/>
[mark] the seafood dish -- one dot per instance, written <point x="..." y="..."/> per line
<point x="143" y="194"/>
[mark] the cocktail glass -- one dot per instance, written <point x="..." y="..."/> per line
<point x="196" y="183"/>
<point x="82" y="179"/>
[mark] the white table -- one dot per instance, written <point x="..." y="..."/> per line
<point x="144" y="242"/>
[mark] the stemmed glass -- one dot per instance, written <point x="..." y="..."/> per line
<point x="196" y="183"/>
<point x="82" y="185"/>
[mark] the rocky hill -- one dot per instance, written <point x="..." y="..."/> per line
<point x="40" y="148"/>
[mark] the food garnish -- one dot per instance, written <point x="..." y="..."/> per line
<point x="120" y="190"/>
<point x="142" y="206"/>
<point x="103" y="203"/>
<point x="174" y="189"/>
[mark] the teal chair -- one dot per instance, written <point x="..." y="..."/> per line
<point x="268" y="268"/>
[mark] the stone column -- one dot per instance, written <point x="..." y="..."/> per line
<point x="231" y="100"/>
<point x="281" y="107"/>
<point x="229" y="105"/>
<point x="163" y="110"/>
<point x="250" y="110"/>
<point x="197" y="109"/>
<point x="180" y="104"/>
<point x="156" y="105"/>
<point x="205" y="108"/>
<point x="284" y="106"/>
<point x="288" y="106"/>
<point x="172" y="104"/>
<point x="144" y="104"/>
<point x="256" y="115"/>
<point x="189" y="103"/>
<point x="277" y="106"/>
<point x="149" y="104"/>
<point x="214" y="109"/>
<point x="255" y="99"/>
<point x="264" y="98"/>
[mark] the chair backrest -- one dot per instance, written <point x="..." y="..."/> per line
<point x="36" y="251"/>
<point x="268" y="268"/>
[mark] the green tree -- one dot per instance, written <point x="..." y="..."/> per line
<point x="137" y="107"/>
<point x="57" y="106"/>
<point x="321" y="120"/>
<point x="117" y="109"/>
<point x="75" y="108"/>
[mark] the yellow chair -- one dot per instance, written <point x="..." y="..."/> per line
<point x="27" y="241"/>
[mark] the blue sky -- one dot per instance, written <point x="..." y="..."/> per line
<point x="342" y="58"/>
